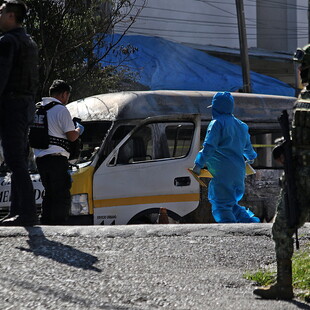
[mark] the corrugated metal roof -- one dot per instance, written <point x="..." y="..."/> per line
<point x="256" y="52"/>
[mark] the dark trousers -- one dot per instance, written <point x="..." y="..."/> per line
<point x="57" y="183"/>
<point x="16" y="116"/>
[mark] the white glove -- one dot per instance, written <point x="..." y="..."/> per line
<point x="78" y="125"/>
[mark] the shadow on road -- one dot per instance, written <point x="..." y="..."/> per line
<point x="39" y="245"/>
<point x="299" y="304"/>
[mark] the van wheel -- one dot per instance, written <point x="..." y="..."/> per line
<point x="150" y="216"/>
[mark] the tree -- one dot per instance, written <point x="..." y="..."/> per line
<point x="71" y="35"/>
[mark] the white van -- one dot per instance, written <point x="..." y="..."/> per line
<point x="137" y="147"/>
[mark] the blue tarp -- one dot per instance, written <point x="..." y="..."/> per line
<point x="166" y="65"/>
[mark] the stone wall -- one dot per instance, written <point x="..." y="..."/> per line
<point x="261" y="193"/>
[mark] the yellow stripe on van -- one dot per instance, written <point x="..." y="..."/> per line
<point x="145" y="200"/>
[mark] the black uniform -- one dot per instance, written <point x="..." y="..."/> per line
<point x="18" y="85"/>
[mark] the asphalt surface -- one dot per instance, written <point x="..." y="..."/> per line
<point x="137" y="267"/>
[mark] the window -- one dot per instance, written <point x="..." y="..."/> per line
<point x="117" y="136"/>
<point x="157" y="141"/>
<point x="263" y="142"/>
<point x="179" y="139"/>
<point x="137" y="148"/>
<point x="92" y="138"/>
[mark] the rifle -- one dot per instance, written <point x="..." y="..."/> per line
<point x="291" y="203"/>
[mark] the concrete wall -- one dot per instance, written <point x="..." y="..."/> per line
<point x="281" y="26"/>
<point x="302" y="22"/>
<point x="273" y="25"/>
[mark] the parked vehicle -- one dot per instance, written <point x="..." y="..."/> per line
<point x="137" y="147"/>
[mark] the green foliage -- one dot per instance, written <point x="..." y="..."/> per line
<point x="301" y="269"/>
<point x="262" y="277"/>
<point x="301" y="273"/>
<point x="71" y="38"/>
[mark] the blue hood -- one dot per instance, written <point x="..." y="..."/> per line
<point x="222" y="103"/>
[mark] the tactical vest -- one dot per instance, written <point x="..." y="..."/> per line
<point x="40" y="139"/>
<point x="24" y="76"/>
<point x="38" y="132"/>
<point x="301" y="153"/>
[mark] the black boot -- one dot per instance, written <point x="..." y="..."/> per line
<point x="283" y="289"/>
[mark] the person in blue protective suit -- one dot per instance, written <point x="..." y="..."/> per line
<point x="226" y="146"/>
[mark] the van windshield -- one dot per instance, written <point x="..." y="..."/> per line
<point x="92" y="138"/>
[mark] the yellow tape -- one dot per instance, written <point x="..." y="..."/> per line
<point x="263" y="145"/>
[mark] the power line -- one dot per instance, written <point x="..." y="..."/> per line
<point x="170" y="19"/>
<point x="203" y="34"/>
<point x="203" y="23"/>
<point x="251" y="22"/>
<point x="182" y="21"/>
<point x="271" y="3"/>
<point x="276" y="5"/>
<point x="157" y="29"/>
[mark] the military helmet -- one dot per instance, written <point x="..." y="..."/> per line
<point x="302" y="55"/>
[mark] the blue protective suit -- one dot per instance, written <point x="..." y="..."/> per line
<point x="226" y="144"/>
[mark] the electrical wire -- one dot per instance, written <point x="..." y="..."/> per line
<point x="170" y="19"/>
<point x="167" y="33"/>
<point x="251" y="23"/>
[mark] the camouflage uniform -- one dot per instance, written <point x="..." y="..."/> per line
<point x="281" y="231"/>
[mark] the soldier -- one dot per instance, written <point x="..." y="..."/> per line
<point x="282" y="232"/>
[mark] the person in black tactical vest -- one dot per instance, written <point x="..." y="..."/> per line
<point x="52" y="162"/>
<point x="18" y="86"/>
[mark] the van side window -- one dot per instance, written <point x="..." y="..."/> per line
<point x="157" y="141"/>
<point x="136" y="148"/>
<point x="179" y="139"/>
<point x="263" y="144"/>
<point x="118" y="135"/>
<point x="203" y="131"/>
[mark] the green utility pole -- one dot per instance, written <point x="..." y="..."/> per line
<point x="245" y="64"/>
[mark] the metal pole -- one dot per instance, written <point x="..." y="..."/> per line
<point x="243" y="47"/>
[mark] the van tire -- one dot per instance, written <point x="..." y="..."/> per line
<point x="150" y="216"/>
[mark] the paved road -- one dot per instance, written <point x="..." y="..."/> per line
<point x="136" y="267"/>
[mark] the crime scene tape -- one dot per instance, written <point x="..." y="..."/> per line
<point x="263" y="145"/>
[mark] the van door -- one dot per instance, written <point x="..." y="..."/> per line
<point x="148" y="170"/>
